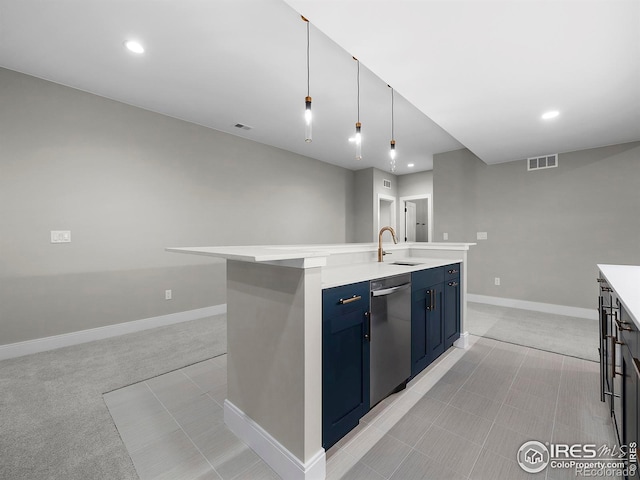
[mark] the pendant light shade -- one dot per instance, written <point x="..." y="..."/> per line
<point x="307" y="120"/>
<point x="308" y="117"/>
<point x="358" y="137"/>
<point x="358" y="140"/>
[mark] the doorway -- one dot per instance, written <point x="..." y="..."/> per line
<point x="416" y="218"/>
<point x="386" y="213"/>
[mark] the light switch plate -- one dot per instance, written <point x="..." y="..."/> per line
<point x="445" y="236"/>
<point x="482" y="236"/>
<point x="60" y="236"/>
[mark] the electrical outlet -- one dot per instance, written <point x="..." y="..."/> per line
<point x="60" y="236"/>
<point x="167" y="294"/>
<point x="496" y="281"/>
<point x="445" y="236"/>
<point x="482" y="236"/>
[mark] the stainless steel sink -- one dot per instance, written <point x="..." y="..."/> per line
<point x="406" y="264"/>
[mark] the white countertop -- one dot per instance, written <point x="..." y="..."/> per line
<point x="625" y="281"/>
<point x="274" y="253"/>
<point x="359" y="272"/>
<point x="251" y="253"/>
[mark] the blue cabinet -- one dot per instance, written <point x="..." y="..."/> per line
<point x="345" y="359"/>
<point x="451" y="312"/>
<point x="435" y="314"/>
<point x="427" y="335"/>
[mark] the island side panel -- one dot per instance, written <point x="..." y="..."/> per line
<point x="274" y="331"/>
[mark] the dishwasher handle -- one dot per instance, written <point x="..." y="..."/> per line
<point x="388" y="291"/>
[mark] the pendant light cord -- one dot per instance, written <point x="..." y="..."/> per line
<point x="308" y="70"/>
<point x="358" y="61"/>
<point x="392" y="136"/>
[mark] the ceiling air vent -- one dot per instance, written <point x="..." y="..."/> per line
<point x="386" y="183"/>
<point x="242" y="126"/>
<point x="546" y="161"/>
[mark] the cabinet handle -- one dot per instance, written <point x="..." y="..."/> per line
<point x="430" y="306"/>
<point x="614" y="341"/>
<point x="355" y="298"/>
<point x="367" y="336"/>
<point x="620" y="327"/>
<point x="636" y="366"/>
<point x="453" y="284"/>
<point x="453" y="270"/>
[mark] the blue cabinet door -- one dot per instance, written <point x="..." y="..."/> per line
<point x="419" y="358"/>
<point x="345" y="359"/>
<point x="451" y="312"/>
<point x="427" y="336"/>
<point x="435" y="322"/>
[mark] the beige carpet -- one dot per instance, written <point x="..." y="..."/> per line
<point x="54" y="423"/>
<point x="576" y="337"/>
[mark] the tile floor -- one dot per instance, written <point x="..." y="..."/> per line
<point x="464" y="417"/>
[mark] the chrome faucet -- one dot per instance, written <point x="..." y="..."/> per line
<point x="382" y="253"/>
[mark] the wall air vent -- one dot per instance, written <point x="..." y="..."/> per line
<point x="545" y="161"/>
<point x="242" y="126"/>
<point x="386" y="183"/>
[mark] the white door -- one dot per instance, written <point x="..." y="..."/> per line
<point x="410" y="221"/>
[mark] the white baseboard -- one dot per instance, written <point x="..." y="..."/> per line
<point x="587" y="313"/>
<point x="37" y="345"/>
<point x="463" y="341"/>
<point x="281" y="460"/>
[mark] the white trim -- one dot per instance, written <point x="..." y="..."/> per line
<point x="429" y="214"/>
<point x="281" y="460"/>
<point x="37" y="345"/>
<point x="391" y="199"/>
<point x="463" y="341"/>
<point x="587" y="313"/>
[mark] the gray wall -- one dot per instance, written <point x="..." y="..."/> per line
<point x="363" y="205"/>
<point x="420" y="183"/>
<point x="128" y="183"/>
<point x="547" y="229"/>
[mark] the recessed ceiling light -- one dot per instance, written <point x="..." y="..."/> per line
<point x="551" y="114"/>
<point x="134" y="46"/>
<point x="410" y="165"/>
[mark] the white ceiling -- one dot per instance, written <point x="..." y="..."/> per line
<point x="486" y="71"/>
<point x="483" y="71"/>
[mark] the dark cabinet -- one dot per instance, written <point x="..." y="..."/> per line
<point x="345" y="359"/>
<point x="451" y="312"/>
<point x="630" y="404"/>
<point x="435" y="314"/>
<point x="435" y="325"/>
<point x="630" y="346"/>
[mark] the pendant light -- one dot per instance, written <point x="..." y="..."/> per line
<point x="392" y="149"/>
<point x="358" y="137"/>
<point x="307" y="99"/>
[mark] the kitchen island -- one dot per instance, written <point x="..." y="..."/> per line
<point x="274" y="336"/>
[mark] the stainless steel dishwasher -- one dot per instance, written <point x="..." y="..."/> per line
<point x="390" y="335"/>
